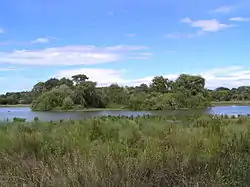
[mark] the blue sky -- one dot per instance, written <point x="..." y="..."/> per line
<point x="127" y="42"/>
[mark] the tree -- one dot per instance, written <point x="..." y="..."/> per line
<point x="222" y="89"/>
<point x="136" y="101"/>
<point x="191" y="85"/>
<point x="79" y="79"/>
<point x="67" y="103"/>
<point x="117" y="95"/>
<point x="53" y="99"/>
<point x="160" y="84"/>
<point x="38" y="88"/>
<point x="186" y="91"/>
<point x="221" y="95"/>
<point x="142" y="88"/>
<point x="50" y="84"/>
<point x="65" y="81"/>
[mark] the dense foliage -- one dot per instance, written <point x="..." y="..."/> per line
<point x="14" y="98"/>
<point x="241" y="93"/>
<point x="123" y="151"/>
<point x="79" y="92"/>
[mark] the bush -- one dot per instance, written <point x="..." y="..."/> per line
<point x="36" y="119"/>
<point x="16" y="119"/>
<point x="67" y="103"/>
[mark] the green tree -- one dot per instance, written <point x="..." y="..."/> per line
<point x="192" y="85"/>
<point x="53" y="99"/>
<point x="39" y="87"/>
<point x="80" y="78"/>
<point x="137" y="101"/>
<point x="65" y="81"/>
<point x="142" y="88"/>
<point x="160" y="84"/>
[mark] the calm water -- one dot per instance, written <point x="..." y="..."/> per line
<point x="10" y="113"/>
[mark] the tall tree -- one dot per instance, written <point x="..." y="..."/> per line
<point x="51" y="83"/>
<point x="80" y="78"/>
<point x="190" y="84"/>
<point x="65" y="81"/>
<point x="160" y="84"/>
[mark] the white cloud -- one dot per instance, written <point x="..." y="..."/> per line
<point x="102" y="76"/>
<point x="204" y="26"/>
<point x="232" y="76"/>
<point x="42" y="40"/>
<point x="224" y="9"/>
<point x="212" y="25"/>
<point x="72" y="55"/>
<point x="125" y="48"/>
<point x="131" y="35"/>
<point x="7" y="69"/>
<point x="183" y="35"/>
<point x="240" y="19"/>
<point x="1" y="31"/>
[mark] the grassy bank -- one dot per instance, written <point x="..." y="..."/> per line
<point x="89" y="109"/>
<point x="123" y="151"/>
<point x="19" y="105"/>
<point x="228" y="103"/>
<point x="75" y="108"/>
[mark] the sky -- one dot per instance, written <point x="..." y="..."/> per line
<point x="125" y="42"/>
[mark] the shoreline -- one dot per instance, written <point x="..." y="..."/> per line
<point x="228" y="103"/>
<point x="18" y="105"/>
<point x="213" y="104"/>
<point x="90" y="110"/>
<point x="86" y="110"/>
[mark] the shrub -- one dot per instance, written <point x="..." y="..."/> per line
<point x="16" y="119"/>
<point x="67" y="103"/>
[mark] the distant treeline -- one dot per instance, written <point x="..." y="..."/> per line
<point x="186" y="91"/>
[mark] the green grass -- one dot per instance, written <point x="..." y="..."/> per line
<point x="91" y="109"/>
<point x="227" y="103"/>
<point x="79" y="108"/>
<point x="18" y="105"/>
<point x="126" y="151"/>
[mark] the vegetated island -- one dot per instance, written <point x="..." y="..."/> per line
<point x="79" y="93"/>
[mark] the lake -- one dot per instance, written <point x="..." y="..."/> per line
<point x="25" y="112"/>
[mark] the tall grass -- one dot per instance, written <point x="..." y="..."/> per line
<point x="126" y="151"/>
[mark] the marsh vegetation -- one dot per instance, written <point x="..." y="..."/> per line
<point x="127" y="151"/>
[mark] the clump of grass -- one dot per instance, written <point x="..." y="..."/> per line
<point x="16" y="119"/>
<point x="126" y="151"/>
<point x="36" y="119"/>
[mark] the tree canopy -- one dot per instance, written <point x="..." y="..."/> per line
<point x="186" y="91"/>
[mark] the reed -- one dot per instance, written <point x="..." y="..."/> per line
<point x="126" y="151"/>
